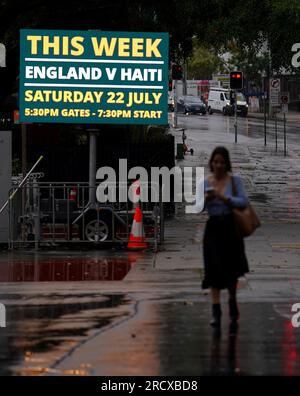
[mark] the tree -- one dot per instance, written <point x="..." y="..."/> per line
<point x="254" y="65"/>
<point x="215" y="23"/>
<point x="203" y="64"/>
<point x="175" y="17"/>
<point x="253" y="25"/>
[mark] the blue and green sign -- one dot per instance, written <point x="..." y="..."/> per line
<point x="93" y="77"/>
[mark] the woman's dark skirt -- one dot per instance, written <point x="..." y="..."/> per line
<point x="224" y="254"/>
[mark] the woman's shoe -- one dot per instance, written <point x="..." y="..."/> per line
<point x="216" y="315"/>
<point x="233" y="310"/>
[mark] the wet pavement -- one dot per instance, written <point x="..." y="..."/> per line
<point x="174" y="338"/>
<point x="38" y="334"/>
<point x="100" y="334"/>
<point x="139" y="313"/>
<point x="54" y="301"/>
<point x="64" y="269"/>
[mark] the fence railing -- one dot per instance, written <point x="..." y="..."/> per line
<point x="42" y="213"/>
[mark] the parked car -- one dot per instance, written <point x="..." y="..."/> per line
<point x="190" y="104"/>
<point x="219" y="101"/>
<point x="95" y="222"/>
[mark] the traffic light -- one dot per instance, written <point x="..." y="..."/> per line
<point x="170" y="85"/>
<point x="177" y="72"/>
<point x="236" y="80"/>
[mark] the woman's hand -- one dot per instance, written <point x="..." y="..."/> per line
<point x="221" y="197"/>
<point x="214" y="194"/>
<point x="210" y="195"/>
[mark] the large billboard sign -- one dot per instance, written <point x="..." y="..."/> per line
<point x="93" y="77"/>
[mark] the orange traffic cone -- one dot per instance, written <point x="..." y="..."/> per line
<point x="137" y="234"/>
<point x="135" y="193"/>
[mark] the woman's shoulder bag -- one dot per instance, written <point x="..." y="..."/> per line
<point x="246" y="220"/>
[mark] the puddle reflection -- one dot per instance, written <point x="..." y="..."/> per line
<point x="51" y="330"/>
<point x="218" y="364"/>
<point x="65" y="269"/>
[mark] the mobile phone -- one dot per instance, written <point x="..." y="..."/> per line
<point x="209" y="189"/>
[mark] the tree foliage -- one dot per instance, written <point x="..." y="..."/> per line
<point x="251" y="24"/>
<point x="257" y="26"/>
<point x="203" y="63"/>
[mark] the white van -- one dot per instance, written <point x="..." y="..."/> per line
<point x="219" y="101"/>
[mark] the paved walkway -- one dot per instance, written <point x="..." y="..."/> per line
<point x="168" y="333"/>
<point x="291" y="116"/>
<point x="159" y="322"/>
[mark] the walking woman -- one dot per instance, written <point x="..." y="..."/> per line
<point x="224" y="253"/>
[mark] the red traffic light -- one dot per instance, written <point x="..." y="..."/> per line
<point x="177" y="72"/>
<point x="236" y="80"/>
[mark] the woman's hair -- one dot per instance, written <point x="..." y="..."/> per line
<point x="224" y="153"/>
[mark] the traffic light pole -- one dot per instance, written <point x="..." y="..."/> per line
<point x="284" y="134"/>
<point x="276" y="134"/>
<point x="184" y="78"/>
<point x="265" y="120"/>
<point x="175" y="105"/>
<point x="236" y="82"/>
<point x="235" y="116"/>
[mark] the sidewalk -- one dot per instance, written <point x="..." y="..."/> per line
<point x="159" y="323"/>
<point x="168" y="331"/>
<point x="291" y="116"/>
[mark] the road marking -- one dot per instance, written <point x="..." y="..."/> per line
<point x="286" y="245"/>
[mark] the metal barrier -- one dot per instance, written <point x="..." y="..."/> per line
<point x="44" y="213"/>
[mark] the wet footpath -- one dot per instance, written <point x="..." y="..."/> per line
<point x="97" y="312"/>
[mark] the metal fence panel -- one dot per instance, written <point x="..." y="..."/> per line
<point x="42" y="213"/>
